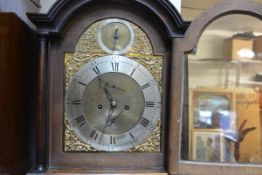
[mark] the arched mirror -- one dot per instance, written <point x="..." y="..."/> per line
<point x="224" y="85"/>
<point x="219" y="65"/>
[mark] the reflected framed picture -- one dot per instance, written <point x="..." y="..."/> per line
<point x="208" y="145"/>
<point x="212" y="108"/>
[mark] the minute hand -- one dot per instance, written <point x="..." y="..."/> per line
<point x="108" y="94"/>
<point x="101" y="82"/>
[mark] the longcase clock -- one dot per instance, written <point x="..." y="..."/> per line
<point x="105" y="70"/>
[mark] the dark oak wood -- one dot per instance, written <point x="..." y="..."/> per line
<point x="17" y="51"/>
<point x="83" y="173"/>
<point x="61" y="28"/>
<point x="58" y="16"/>
<point x="41" y="106"/>
<point x="183" y="46"/>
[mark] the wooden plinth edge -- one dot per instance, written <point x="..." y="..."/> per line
<point x="96" y="174"/>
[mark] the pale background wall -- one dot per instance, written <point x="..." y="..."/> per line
<point x="177" y="4"/>
<point x="46" y="5"/>
<point x="20" y="7"/>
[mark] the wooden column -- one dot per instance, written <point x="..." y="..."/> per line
<point x="42" y="106"/>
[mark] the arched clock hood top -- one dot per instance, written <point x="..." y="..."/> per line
<point x="53" y="22"/>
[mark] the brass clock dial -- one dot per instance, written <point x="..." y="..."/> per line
<point x="113" y="103"/>
<point x="115" y="36"/>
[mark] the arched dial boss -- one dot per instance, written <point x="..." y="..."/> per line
<point x="113" y="103"/>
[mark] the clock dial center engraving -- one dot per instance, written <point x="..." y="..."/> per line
<point x="116" y="92"/>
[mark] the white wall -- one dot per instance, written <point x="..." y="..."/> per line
<point x="47" y="4"/>
<point x="177" y="4"/>
<point x="20" y="7"/>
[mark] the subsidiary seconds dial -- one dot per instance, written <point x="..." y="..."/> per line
<point x="113" y="103"/>
<point x="115" y="36"/>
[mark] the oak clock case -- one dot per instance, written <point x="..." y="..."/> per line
<point x="113" y="98"/>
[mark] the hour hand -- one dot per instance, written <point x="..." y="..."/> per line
<point x="108" y="94"/>
<point x="118" y="88"/>
<point x="116" y="34"/>
<point x="115" y="37"/>
<point x="104" y="85"/>
<point x="112" y="120"/>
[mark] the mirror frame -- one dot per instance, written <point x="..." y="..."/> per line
<point x="187" y="45"/>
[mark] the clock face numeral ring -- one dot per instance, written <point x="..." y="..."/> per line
<point x="113" y="103"/>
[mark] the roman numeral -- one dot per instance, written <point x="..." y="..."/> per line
<point x="79" y="121"/>
<point x="150" y="104"/>
<point x="76" y="102"/>
<point x="96" y="70"/>
<point x="132" y="72"/>
<point x="131" y="135"/>
<point x="145" y="86"/>
<point x="93" y="134"/>
<point x="144" y="122"/>
<point x="115" y="66"/>
<point x="112" y="140"/>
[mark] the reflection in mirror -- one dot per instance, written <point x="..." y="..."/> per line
<point x="191" y="9"/>
<point x="222" y="122"/>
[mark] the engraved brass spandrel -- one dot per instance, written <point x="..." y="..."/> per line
<point x="72" y="143"/>
<point x="88" y="41"/>
<point x="153" y="63"/>
<point x="74" y="61"/>
<point x="151" y="144"/>
<point x="142" y="44"/>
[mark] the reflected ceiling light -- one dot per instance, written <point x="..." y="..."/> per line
<point x="246" y="53"/>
